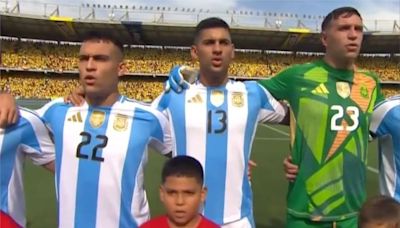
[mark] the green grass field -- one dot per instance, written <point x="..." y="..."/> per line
<point x="269" y="186"/>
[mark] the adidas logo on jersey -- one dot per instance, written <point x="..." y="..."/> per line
<point x="75" y="118"/>
<point x="320" y="90"/>
<point x="196" y="99"/>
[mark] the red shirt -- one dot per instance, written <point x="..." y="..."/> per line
<point x="162" y="222"/>
<point x="7" y="222"/>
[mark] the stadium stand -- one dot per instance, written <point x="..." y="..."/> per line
<point x="57" y="62"/>
<point x="158" y="61"/>
<point x="391" y="90"/>
<point x="36" y="86"/>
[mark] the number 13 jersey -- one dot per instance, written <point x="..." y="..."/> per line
<point x="216" y="125"/>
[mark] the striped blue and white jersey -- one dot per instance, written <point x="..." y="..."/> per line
<point x="216" y="125"/>
<point x="386" y="125"/>
<point x="101" y="153"/>
<point x="29" y="137"/>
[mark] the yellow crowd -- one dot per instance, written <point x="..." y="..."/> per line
<point x="391" y="90"/>
<point x="156" y="60"/>
<point x="36" y="85"/>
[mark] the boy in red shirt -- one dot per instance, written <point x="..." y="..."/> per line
<point x="182" y="193"/>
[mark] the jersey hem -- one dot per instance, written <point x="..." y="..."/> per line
<point x="303" y="215"/>
<point x="233" y="219"/>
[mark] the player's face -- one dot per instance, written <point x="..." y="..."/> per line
<point x="214" y="50"/>
<point x="182" y="197"/>
<point x="100" y="65"/>
<point x="343" y="37"/>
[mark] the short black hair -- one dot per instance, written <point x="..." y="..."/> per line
<point x="97" y="35"/>
<point x="336" y="13"/>
<point x="211" y="22"/>
<point x="183" y="166"/>
<point x="379" y="209"/>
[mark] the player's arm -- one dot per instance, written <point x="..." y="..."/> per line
<point x="161" y="104"/>
<point x="50" y="166"/>
<point x="37" y="143"/>
<point x="377" y="127"/>
<point x="384" y="121"/>
<point x="272" y="111"/>
<point x="47" y="111"/>
<point x="180" y="78"/>
<point x="76" y="97"/>
<point x="280" y="85"/>
<point x="8" y="110"/>
<point x="291" y="170"/>
<point x="252" y="164"/>
<point x="286" y="119"/>
<point x="161" y="139"/>
<point x="168" y="155"/>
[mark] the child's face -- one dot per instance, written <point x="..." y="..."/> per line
<point x="182" y="197"/>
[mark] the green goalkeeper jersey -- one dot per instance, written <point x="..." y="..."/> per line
<point x="330" y="112"/>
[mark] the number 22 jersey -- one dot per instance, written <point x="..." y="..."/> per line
<point x="100" y="156"/>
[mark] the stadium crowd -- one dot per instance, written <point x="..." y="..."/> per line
<point x="31" y="85"/>
<point x="157" y="60"/>
<point x="343" y="160"/>
<point x="59" y="58"/>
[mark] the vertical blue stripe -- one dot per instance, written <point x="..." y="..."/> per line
<point x="178" y="110"/>
<point x="164" y="101"/>
<point x="261" y="96"/>
<point x="141" y="131"/>
<point x="88" y="175"/>
<point x="55" y="116"/>
<point x="256" y="99"/>
<point x="216" y="159"/>
<point x="392" y="120"/>
<point x="29" y="136"/>
<point x="13" y="136"/>
<point x="390" y="125"/>
<point x="157" y="130"/>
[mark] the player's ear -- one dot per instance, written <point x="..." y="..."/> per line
<point x="193" y="52"/>
<point x="233" y="51"/>
<point x="122" y="70"/>
<point x="324" y="38"/>
<point x="162" y="193"/>
<point x="203" y="194"/>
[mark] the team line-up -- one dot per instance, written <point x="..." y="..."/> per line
<point x="96" y="140"/>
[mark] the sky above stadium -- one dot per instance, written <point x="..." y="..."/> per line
<point x="282" y="14"/>
<point x="370" y="9"/>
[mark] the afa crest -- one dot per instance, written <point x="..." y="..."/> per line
<point x="343" y="89"/>
<point x="237" y="99"/>
<point x="364" y="91"/>
<point x="217" y="97"/>
<point x="120" y="122"/>
<point x="97" y="118"/>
